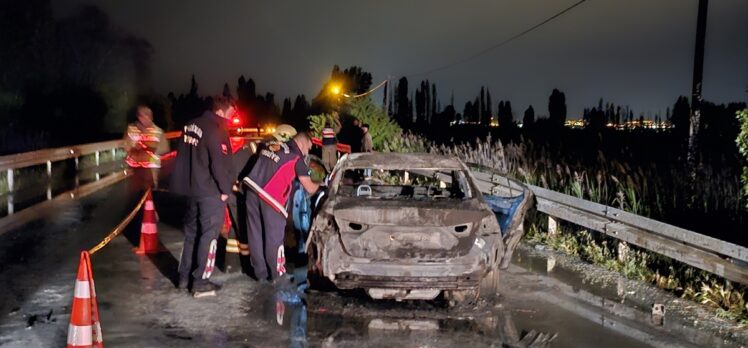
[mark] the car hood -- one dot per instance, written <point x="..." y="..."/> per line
<point x="387" y="229"/>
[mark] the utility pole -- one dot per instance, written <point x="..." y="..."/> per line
<point x="698" y="71"/>
<point x="386" y="96"/>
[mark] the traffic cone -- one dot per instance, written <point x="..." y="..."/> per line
<point x="85" y="328"/>
<point x="149" y="243"/>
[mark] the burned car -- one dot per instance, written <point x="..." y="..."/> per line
<point x="409" y="226"/>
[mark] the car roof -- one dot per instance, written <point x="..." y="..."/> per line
<point x="400" y="160"/>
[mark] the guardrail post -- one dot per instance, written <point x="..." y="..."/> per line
<point x="10" y="181"/>
<point x="49" y="191"/>
<point x="114" y="154"/>
<point x="49" y="169"/>
<point x="97" y="158"/>
<point x="550" y="264"/>
<point x="76" y="162"/>
<point x="10" y="205"/>
<point x="552" y="226"/>
<point x="623" y="251"/>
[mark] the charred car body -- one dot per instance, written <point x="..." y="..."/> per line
<point x="409" y="226"/>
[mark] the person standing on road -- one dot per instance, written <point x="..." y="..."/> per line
<point x="329" y="143"/>
<point x="144" y="144"/>
<point x="269" y="185"/>
<point x="367" y="144"/>
<point x="202" y="173"/>
<point x="357" y="135"/>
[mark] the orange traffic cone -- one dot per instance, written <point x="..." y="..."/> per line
<point x="85" y="328"/>
<point x="149" y="243"/>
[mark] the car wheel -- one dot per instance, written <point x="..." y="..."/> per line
<point x="314" y="276"/>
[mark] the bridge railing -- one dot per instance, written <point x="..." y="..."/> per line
<point x="10" y="163"/>
<point x="722" y="258"/>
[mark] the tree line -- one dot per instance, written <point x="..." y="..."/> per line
<point x="65" y="80"/>
<point x="81" y="76"/>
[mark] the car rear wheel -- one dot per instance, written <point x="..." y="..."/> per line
<point x="314" y="276"/>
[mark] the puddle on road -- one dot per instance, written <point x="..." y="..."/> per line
<point x="351" y="319"/>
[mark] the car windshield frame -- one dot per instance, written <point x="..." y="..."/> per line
<point x="420" y="184"/>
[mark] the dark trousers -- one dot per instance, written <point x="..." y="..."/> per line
<point x="265" y="228"/>
<point x="202" y="225"/>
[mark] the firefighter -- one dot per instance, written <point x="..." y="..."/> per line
<point x="243" y="162"/>
<point x="268" y="187"/>
<point x="203" y="174"/>
<point x="144" y="144"/>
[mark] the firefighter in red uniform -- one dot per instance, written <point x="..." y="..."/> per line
<point x="243" y="165"/>
<point x="269" y="185"/>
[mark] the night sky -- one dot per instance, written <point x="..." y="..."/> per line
<point x="633" y="52"/>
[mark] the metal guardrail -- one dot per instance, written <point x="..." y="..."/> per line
<point x="49" y="206"/>
<point x="32" y="158"/>
<point x="715" y="256"/>
<point x="10" y="163"/>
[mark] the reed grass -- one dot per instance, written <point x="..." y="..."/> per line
<point x="618" y="184"/>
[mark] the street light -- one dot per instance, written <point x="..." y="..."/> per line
<point x="335" y="89"/>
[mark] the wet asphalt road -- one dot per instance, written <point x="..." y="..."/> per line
<point x="140" y="306"/>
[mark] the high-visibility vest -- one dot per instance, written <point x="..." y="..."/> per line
<point x="142" y="146"/>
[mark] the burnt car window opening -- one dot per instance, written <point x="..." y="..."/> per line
<point x="420" y="184"/>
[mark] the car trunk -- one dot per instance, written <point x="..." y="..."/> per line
<point x="401" y="230"/>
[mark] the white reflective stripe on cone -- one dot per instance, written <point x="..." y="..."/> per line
<point x="149" y="205"/>
<point x="148" y="228"/>
<point x="82" y="289"/>
<point x="79" y="335"/>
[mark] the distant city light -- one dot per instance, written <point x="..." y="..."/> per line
<point x="628" y="125"/>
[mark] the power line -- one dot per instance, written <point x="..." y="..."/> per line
<point x="367" y="92"/>
<point x="484" y="51"/>
<point x="493" y="47"/>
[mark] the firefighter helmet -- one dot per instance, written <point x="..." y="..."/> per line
<point x="284" y="133"/>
